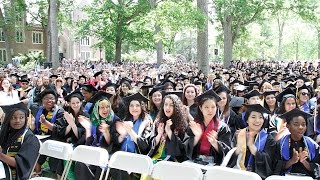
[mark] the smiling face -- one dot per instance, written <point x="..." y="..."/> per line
<point x="135" y="108"/>
<point x="208" y="109"/>
<point x="271" y="100"/>
<point x="75" y="104"/>
<point x="297" y="127"/>
<point x="104" y="108"/>
<point x="49" y="101"/>
<point x="304" y="95"/>
<point x="255" y="121"/>
<point x="254" y="100"/>
<point x="5" y="84"/>
<point x="190" y="93"/>
<point x="157" y="98"/>
<point x="290" y="104"/>
<point x="18" y="120"/>
<point x="168" y="107"/>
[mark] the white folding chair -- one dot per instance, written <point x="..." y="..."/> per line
<point x="166" y="170"/>
<point x="130" y="162"/>
<point x="218" y="172"/>
<point x="227" y="158"/>
<point x="289" y="177"/>
<point x="90" y="155"/>
<point x="57" y="150"/>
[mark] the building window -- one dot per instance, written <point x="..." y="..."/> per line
<point x="85" y="41"/>
<point x="35" y="51"/>
<point x="85" y="55"/>
<point x="3" y="55"/>
<point x="19" y="37"/>
<point x="2" y="36"/>
<point x="37" y="37"/>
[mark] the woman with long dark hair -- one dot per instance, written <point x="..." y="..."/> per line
<point x="169" y="138"/>
<point x="155" y="101"/>
<point x="188" y="98"/>
<point x="211" y="139"/>
<point x="19" y="146"/>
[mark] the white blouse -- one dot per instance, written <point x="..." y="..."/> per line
<point x="6" y="99"/>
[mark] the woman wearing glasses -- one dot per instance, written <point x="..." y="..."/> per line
<point x="303" y="97"/>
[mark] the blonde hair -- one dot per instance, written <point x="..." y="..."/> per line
<point x="105" y="102"/>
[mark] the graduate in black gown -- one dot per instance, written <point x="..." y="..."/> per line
<point x="99" y="130"/>
<point x="19" y="146"/>
<point x="211" y="138"/>
<point x="297" y="154"/>
<point x="255" y="147"/>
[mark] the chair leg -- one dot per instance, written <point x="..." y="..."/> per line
<point x="107" y="174"/>
<point x="101" y="175"/>
<point x="34" y="166"/>
<point x="66" y="170"/>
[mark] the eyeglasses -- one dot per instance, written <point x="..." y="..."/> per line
<point x="305" y="94"/>
<point x="59" y="81"/>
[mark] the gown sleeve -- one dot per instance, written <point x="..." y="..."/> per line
<point x="143" y="140"/>
<point x="224" y="144"/>
<point x="264" y="160"/>
<point x="59" y="127"/>
<point x="177" y="146"/>
<point x="27" y="156"/>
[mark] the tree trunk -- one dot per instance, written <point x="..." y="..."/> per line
<point x="159" y="48"/>
<point x="318" y="30"/>
<point x="5" y="29"/>
<point x="280" y="28"/>
<point x="54" y="33"/>
<point x="118" y="43"/>
<point x="227" y="41"/>
<point x="159" y="44"/>
<point x="202" y="40"/>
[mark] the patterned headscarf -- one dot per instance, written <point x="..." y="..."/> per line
<point x="96" y="118"/>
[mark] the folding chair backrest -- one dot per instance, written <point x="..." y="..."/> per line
<point x="165" y="170"/>
<point x="91" y="155"/>
<point x="227" y="158"/>
<point x="218" y="172"/>
<point x="131" y="162"/>
<point x="56" y="149"/>
<point x="274" y="177"/>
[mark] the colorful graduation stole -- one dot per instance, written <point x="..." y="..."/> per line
<point x="13" y="150"/>
<point x="244" y="123"/>
<point x="128" y="144"/>
<point x="43" y="129"/>
<point x="285" y="148"/>
<point x="205" y="145"/>
<point x="87" y="107"/>
<point x="260" y="143"/>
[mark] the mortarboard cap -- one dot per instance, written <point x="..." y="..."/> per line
<point x="88" y="88"/>
<point x="53" y="76"/>
<point x="251" y="94"/>
<point x="155" y="89"/>
<point x="295" y="113"/>
<point x="301" y="77"/>
<point x="109" y="84"/>
<point x="209" y="93"/>
<point x="256" y="108"/>
<point x="11" y="108"/>
<point x="236" y="102"/>
<point x="75" y="93"/>
<point x="48" y="91"/>
<point x="137" y="96"/>
<point x="222" y="88"/>
<point x="303" y="87"/>
<point x="284" y="94"/>
<point x="99" y="96"/>
<point x="267" y="93"/>
<point x="125" y="79"/>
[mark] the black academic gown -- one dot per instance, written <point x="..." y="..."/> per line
<point x="298" y="167"/>
<point x="224" y="144"/>
<point x="263" y="161"/>
<point x="26" y="156"/>
<point x="85" y="172"/>
<point x="176" y="147"/>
